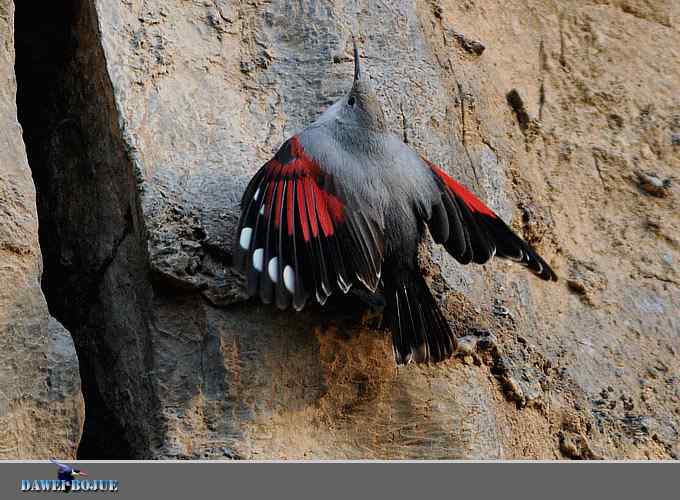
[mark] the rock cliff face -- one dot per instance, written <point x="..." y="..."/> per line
<point x="143" y="121"/>
<point x="41" y="406"/>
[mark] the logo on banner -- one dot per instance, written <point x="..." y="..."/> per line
<point x="69" y="479"/>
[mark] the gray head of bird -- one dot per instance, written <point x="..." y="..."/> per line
<point x="359" y="109"/>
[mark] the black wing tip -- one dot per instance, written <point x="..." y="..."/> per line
<point x="537" y="264"/>
<point x="547" y="274"/>
<point x="510" y="245"/>
<point x="551" y="276"/>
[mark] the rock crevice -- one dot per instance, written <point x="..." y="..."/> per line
<point x="92" y="232"/>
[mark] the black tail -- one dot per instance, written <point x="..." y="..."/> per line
<point x="420" y="332"/>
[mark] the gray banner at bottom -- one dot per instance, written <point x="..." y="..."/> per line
<point x="244" y="480"/>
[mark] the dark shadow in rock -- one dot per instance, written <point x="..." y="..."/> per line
<point x="92" y="235"/>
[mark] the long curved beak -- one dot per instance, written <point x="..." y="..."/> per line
<point x="357" y="63"/>
<point x="82" y="473"/>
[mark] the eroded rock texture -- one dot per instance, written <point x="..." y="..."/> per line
<point x="41" y="406"/>
<point x="553" y="112"/>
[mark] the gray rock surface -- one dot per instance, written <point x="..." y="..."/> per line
<point x="41" y="406"/>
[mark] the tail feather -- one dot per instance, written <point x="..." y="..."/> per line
<point x="420" y="332"/>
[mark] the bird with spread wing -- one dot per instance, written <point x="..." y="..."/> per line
<point x="345" y="202"/>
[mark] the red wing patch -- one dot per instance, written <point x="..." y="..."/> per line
<point x="318" y="208"/>
<point x="461" y="192"/>
<point x="296" y="235"/>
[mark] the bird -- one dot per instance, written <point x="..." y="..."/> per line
<point x="345" y="203"/>
<point x="67" y="473"/>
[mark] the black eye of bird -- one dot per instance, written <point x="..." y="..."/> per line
<point x="351" y="101"/>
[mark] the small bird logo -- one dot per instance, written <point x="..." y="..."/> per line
<point x="67" y="473"/>
<point x="345" y="202"/>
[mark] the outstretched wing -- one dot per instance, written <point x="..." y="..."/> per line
<point x="302" y="232"/>
<point x="471" y="232"/>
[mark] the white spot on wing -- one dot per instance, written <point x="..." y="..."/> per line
<point x="262" y="209"/>
<point x="289" y="279"/>
<point x="258" y="258"/>
<point x="273" y="269"/>
<point x="246" y="235"/>
<point x="257" y="194"/>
